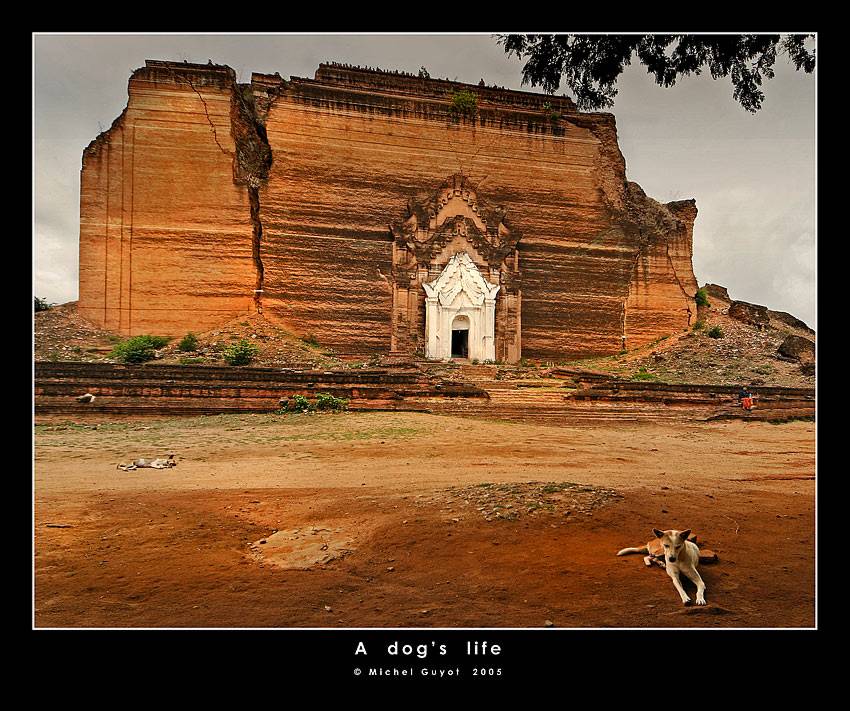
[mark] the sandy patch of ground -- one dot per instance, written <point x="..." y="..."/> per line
<point x="299" y="549"/>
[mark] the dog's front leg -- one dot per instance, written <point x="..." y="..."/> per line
<point x="674" y="576"/>
<point x="697" y="580"/>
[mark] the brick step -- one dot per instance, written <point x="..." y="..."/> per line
<point x="158" y="389"/>
<point x="207" y="374"/>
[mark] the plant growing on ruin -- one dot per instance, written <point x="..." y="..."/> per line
<point x="240" y="353"/>
<point x="464" y="103"/>
<point x="297" y="403"/>
<point x="553" y="116"/>
<point x="138" y="349"/>
<point x="702" y="298"/>
<point x="715" y="332"/>
<point x="188" y="343"/>
<point x="423" y="73"/>
<point x="327" y="402"/>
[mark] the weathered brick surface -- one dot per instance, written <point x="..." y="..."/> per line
<point x="165" y="234"/>
<point x="168" y="243"/>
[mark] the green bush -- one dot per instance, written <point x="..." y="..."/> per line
<point x="297" y="403"/>
<point x="41" y="304"/>
<point x="715" y="332"/>
<point x="240" y="353"/>
<point x="311" y="340"/>
<point x="188" y="343"/>
<point x="138" y="349"/>
<point x="702" y="298"/>
<point x="464" y="103"/>
<point x="699" y="325"/>
<point x="325" y="401"/>
<point x="552" y="115"/>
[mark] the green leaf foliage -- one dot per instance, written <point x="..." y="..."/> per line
<point x="240" y="353"/>
<point x="591" y="64"/>
<point x="188" y="343"/>
<point x="138" y="349"/>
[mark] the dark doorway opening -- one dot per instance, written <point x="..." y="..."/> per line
<point x="460" y="343"/>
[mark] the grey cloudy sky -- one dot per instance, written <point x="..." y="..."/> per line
<point x="753" y="176"/>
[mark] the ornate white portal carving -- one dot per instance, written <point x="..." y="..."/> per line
<point x="460" y="299"/>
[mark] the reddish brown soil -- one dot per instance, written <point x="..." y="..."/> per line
<point x="171" y="548"/>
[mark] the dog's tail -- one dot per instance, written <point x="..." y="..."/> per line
<point x="626" y="551"/>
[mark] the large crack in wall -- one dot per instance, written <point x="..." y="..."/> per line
<point x="251" y="160"/>
<point x="251" y="166"/>
<point x="209" y="120"/>
<point x="257" y="238"/>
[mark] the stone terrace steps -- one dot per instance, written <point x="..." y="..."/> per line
<point x="607" y="400"/>
<point x="154" y="389"/>
<point x="569" y="399"/>
<point x="211" y="374"/>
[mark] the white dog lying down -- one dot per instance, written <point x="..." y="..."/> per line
<point x="149" y="464"/>
<point x="680" y="556"/>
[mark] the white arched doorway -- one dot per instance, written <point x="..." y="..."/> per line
<point x="460" y="308"/>
<point x="460" y="336"/>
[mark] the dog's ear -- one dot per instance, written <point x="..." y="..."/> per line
<point x="658" y="534"/>
<point x="685" y="534"/>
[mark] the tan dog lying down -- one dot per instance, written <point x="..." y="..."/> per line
<point x="655" y="552"/>
<point x="676" y="552"/>
<point x="149" y="464"/>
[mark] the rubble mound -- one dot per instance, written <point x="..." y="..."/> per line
<point x="789" y="320"/>
<point x="730" y="343"/>
<point x="717" y="291"/>
<point x="797" y="348"/>
<point x="277" y="346"/>
<point x="749" y="313"/>
<point x="62" y="334"/>
<point x="513" y="501"/>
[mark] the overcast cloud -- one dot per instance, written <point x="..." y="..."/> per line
<point x="753" y="177"/>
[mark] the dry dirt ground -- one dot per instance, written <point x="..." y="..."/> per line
<point x="416" y="520"/>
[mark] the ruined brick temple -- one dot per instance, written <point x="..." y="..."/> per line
<point x="377" y="213"/>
